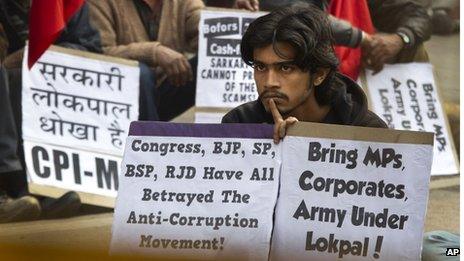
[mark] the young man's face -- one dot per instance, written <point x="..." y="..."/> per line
<point x="280" y="79"/>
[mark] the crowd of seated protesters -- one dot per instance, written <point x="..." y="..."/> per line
<point x="163" y="37"/>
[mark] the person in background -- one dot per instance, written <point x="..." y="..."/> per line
<point x="16" y="204"/>
<point x="401" y="28"/>
<point x="159" y="34"/>
<point x="444" y="15"/>
<point x="13" y="207"/>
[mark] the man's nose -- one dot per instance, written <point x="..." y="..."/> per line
<point x="272" y="79"/>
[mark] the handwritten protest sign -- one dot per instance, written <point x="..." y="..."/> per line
<point x="223" y="79"/>
<point x="351" y="194"/>
<point x="185" y="191"/>
<point x="405" y="96"/>
<point x="77" y="108"/>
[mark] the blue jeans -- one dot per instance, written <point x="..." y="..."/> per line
<point x="147" y="96"/>
<point x="167" y="101"/>
<point x="175" y="100"/>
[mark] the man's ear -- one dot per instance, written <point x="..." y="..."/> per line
<point x="319" y="75"/>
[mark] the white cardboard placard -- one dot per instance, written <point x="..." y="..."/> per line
<point x="223" y="79"/>
<point x="187" y="196"/>
<point x="405" y="96"/>
<point x="342" y="206"/>
<point x="77" y="108"/>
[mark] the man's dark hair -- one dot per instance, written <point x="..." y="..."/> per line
<point x="306" y="28"/>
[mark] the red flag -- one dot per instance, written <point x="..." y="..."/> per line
<point x="46" y="21"/>
<point x="357" y="13"/>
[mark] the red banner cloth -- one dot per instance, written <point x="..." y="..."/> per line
<point x="357" y="13"/>
<point x="47" y="19"/>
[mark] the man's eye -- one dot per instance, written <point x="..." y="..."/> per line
<point x="259" y="67"/>
<point x="286" y="68"/>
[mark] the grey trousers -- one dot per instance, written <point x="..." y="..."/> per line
<point x="8" y="137"/>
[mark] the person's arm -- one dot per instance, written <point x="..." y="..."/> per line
<point x="344" y="33"/>
<point x="381" y="48"/>
<point x="403" y="25"/>
<point x="193" y="10"/>
<point x="401" y="16"/>
<point x="102" y="18"/>
<point x="250" y="5"/>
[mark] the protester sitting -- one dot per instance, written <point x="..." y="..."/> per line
<point x="295" y="71"/>
<point x="16" y="204"/>
<point x="156" y="33"/>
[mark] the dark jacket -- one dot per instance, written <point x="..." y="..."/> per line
<point x="405" y="16"/>
<point x="14" y="19"/>
<point x="80" y="34"/>
<point x="389" y="16"/>
<point x="349" y="107"/>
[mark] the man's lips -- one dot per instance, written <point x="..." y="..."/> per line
<point x="272" y="97"/>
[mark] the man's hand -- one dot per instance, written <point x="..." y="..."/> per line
<point x="251" y="5"/>
<point x="175" y="65"/>
<point x="280" y="125"/>
<point x="379" y="49"/>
